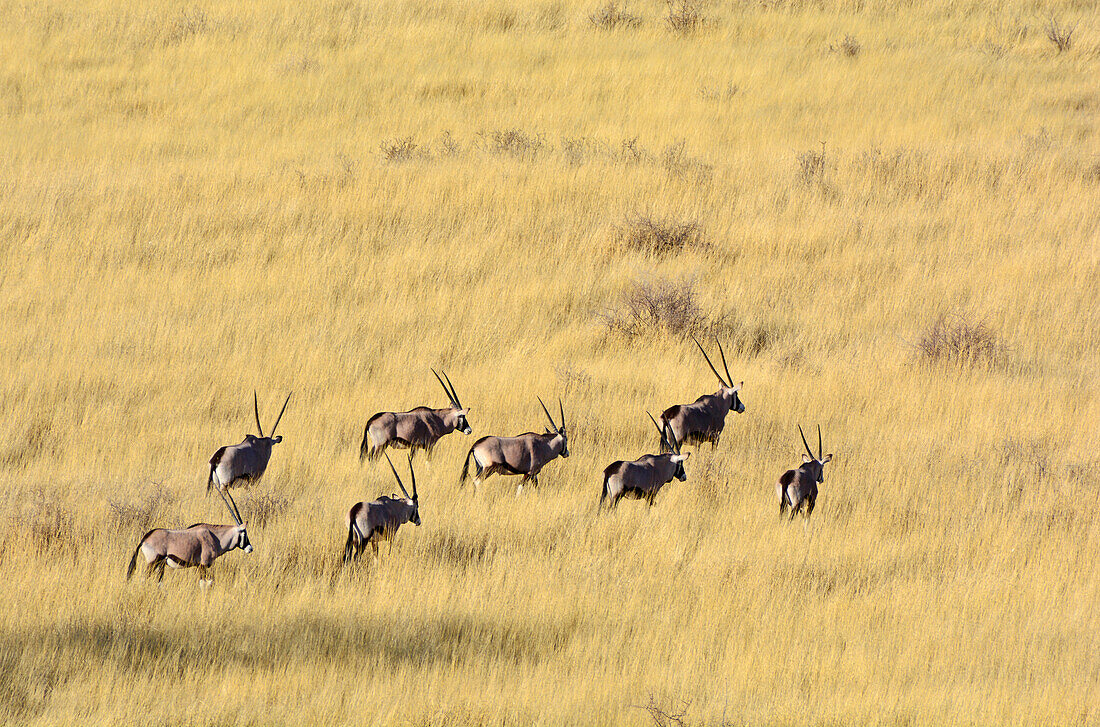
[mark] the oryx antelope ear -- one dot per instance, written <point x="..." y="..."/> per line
<point x="738" y="387"/>
<point x="828" y="458"/>
<point x="465" y="411"/>
<point x="678" y="458"/>
<point x="806" y="458"/>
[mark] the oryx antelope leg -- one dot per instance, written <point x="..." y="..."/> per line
<point x="810" y="502"/>
<point x="159" y="565"/>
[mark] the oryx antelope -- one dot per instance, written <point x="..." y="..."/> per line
<point x="798" y="488"/>
<point x="704" y="419"/>
<point x="525" y="454"/>
<point x="245" y="462"/>
<point x="643" y="478"/>
<point x="369" y="522"/>
<point x="420" y="428"/>
<point x="195" y="546"/>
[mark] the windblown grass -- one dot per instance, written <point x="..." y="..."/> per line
<point x="332" y="197"/>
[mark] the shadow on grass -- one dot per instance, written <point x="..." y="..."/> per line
<point x="34" y="662"/>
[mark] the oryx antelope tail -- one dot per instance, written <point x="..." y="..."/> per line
<point x="349" y="546"/>
<point x="133" y="558"/>
<point x="214" y="461"/>
<point x="365" y="451"/>
<point x="606" y="491"/>
<point x="466" y="467"/>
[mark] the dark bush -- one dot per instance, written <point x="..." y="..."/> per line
<point x="612" y="15"/>
<point x="660" y="306"/>
<point x="959" y="340"/>
<point x="659" y="236"/>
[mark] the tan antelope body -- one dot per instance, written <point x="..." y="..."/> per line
<point x="196" y="546"/>
<point x="244" y="463"/>
<point x="798" y="488"/>
<point x="419" y="428"/>
<point x="643" y="478"/>
<point x="704" y="419"/>
<point x="369" y="522"/>
<point x="525" y="454"/>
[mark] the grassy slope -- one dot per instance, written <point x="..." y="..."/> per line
<point x="199" y="201"/>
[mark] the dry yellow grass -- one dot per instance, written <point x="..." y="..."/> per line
<point x="331" y="197"/>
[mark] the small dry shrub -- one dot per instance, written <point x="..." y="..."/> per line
<point x="141" y="514"/>
<point x="659" y="236"/>
<point x="962" y="341"/>
<point x="677" y="162"/>
<point x="811" y="166"/>
<point x="399" y="150"/>
<point x="299" y="64"/>
<point x="1092" y="173"/>
<point x="188" y="24"/>
<point x="631" y="153"/>
<point x="572" y="379"/>
<point x="1060" y="35"/>
<point x="849" y="47"/>
<point x="657" y="306"/>
<point x="263" y="508"/>
<point x="751" y="341"/>
<point x="1029" y="455"/>
<point x="500" y="20"/>
<point x="512" y="142"/>
<point x="671" y="716"/>
<point x="612" y="15"/>
<point x="48" y="525"/>
<point x="718" y="92"/>
<point x="684" y="16"/>
<point x="577" y="150"/>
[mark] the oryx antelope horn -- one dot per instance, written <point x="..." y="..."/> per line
<point x="702" y="351"/>
<point x="458" y="403"/>
<point x="403" y="490"/>
<point x="671" y="439"/>
<point x="561" y="410"/>
<point x="804" y="442"/>
<point x="820" y="447"/>
<point x="230" y="504"/>
<point x="726" y="366"/>
<point x="451" y="391"/>
<point x="256" y="408"/>
<point x="552" y="424"/>
<point x="279" y="418"/>
<point x="662" y="432"/>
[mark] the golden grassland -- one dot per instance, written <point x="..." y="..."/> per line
<point x="200" y="199"/>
